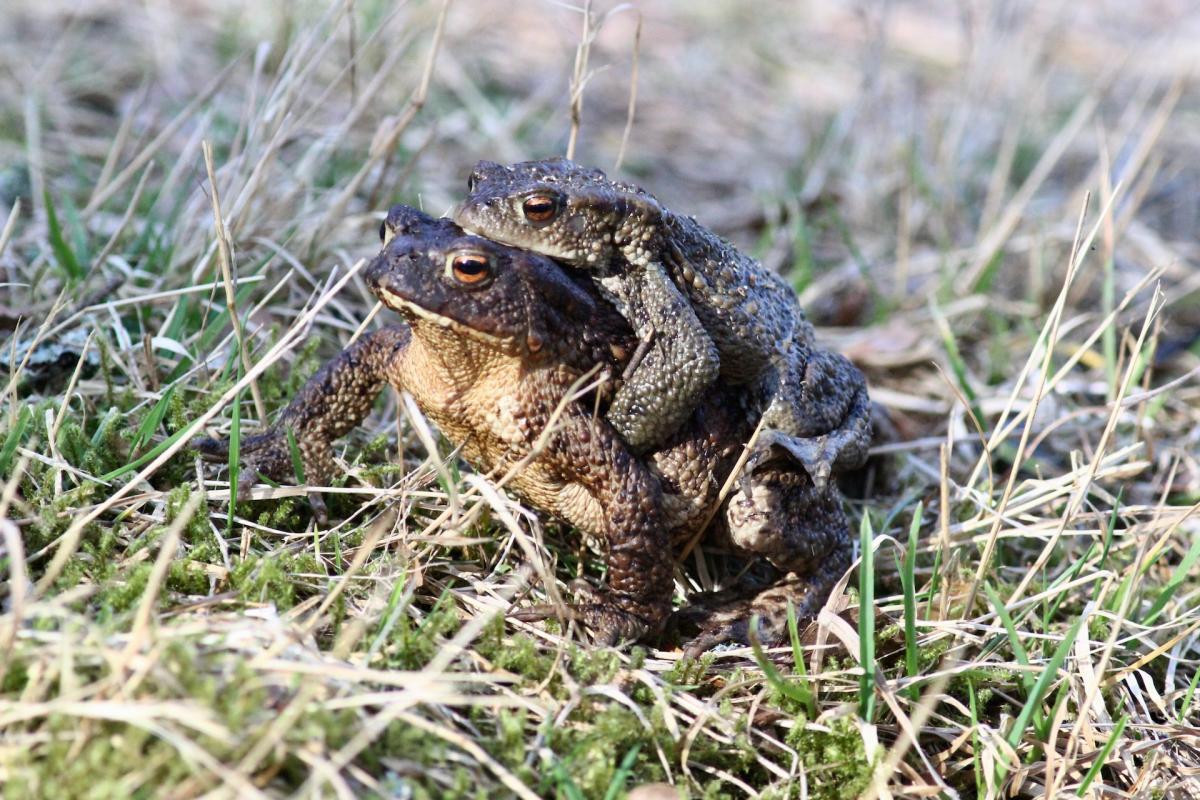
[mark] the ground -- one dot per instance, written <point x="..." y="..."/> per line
<point x="991" y="207"/>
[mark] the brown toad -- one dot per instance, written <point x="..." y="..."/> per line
<point x="497" y="345"/>
<point x="681" y="286"/>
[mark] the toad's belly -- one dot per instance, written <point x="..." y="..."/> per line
<point x="499" y="433"/>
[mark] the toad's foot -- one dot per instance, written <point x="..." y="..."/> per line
<point x="823" y="421"/>
<point x="268" y="455"/>
<point x="725" y="617"/>
<point x="609" y="618"/>
<point x="819" y="456"/>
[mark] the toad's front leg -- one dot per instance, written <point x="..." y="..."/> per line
<point x="329" y="405"/>
<point x="664" y="388"/>
<point x="609" y="493"/>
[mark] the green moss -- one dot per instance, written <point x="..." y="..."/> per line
<point x="518" y="653"/>
<point x="109" y="441"/>
<point x="688" y="673"/>
<point x="377" y="450"/>
<point x="123" y="593"/>
<point x="510" y="744"/>
<point x="96" y="764"/>
<point x="198" y="531"/>
<point x="412" y="643"/>
<point x="56" y="512"/>
<point x="596" y="666"/>
<point x="16" y="674"/>
<point x="586" y="752"/>
<point x="108" y="447"/>
<point x="286" y="513"/>
<point x="177" y="416"/>
<point x="265" y="579"/>
<point x="307" y="361"/>
<point x="384" y="474"/>
<point x="187" y="578"/>
<point x="835" y="760"/>
<point x="929" y="655"/>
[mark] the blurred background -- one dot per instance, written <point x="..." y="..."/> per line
<point x="882" y="154"/>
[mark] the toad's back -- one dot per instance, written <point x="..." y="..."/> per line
<point x="751" y="314"/>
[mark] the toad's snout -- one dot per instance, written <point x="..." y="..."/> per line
<point x="389" y="269"/>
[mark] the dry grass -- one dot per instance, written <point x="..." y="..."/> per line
<point x="992" y="211"/>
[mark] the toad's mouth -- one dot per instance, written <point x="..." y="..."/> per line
<point x="497" y="233"/>
<point x="415" y="311"/>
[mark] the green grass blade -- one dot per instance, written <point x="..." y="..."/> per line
<point x="297" y="459"/>
<point x="794" y="636"/>
<point x="1112" y="526"/>
<point x="1068" y="576"/>
<point x="617" y="785"/>
<point x="147" y="457"/>
<point x="1187" y="697"/>
<point x="908" y="583"/>
<point x="866" y="621"/>
<point x="798" y="658"/>
<point x="63" y="254"/>
<point x="1014" y="639"/>
<point x="387" y="619"/>
<point x="976" y="745"/>
<point x="106" y="422"/>
<point x="16" y="435"/>
<point x="563" y="782"/>
<point x="1105" y="751"/>
<point x="1043" y="684"/>
<point x="76" y="231"/>
<point x="788" y="689"/>
<point x="1177" y="578"/>
<point x="153" y="419"/>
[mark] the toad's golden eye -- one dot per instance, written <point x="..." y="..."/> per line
<point x="470" y="268"/>
<point x="383" y="231"/>
<point x="539" y="208"/>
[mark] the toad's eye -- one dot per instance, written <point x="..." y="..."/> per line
<point x="383" y="231"/>
<point x="471" y="183"/>
<point x="470" y="269"/>
<point x="539" y="207"/>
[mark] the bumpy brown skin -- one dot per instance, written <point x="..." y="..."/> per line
<point x="492" y="361"/>
<point x="667" y="273"/>
<point x="329" y="405"/>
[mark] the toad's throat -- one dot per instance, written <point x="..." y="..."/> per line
<point x="412" y="309"/>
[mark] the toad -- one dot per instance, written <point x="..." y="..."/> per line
<point x="700" y="307"/>
<point x="510" y="355"/>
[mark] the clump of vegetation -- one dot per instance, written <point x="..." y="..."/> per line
<point x="1003" y="241"/>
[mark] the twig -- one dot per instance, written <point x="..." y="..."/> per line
<point x="633" y="83"/>
<point x="225" y="260"/>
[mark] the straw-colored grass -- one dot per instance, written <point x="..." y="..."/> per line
<point x="991" y="208"/>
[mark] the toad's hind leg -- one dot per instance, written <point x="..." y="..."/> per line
<point x="802" y="533"/>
